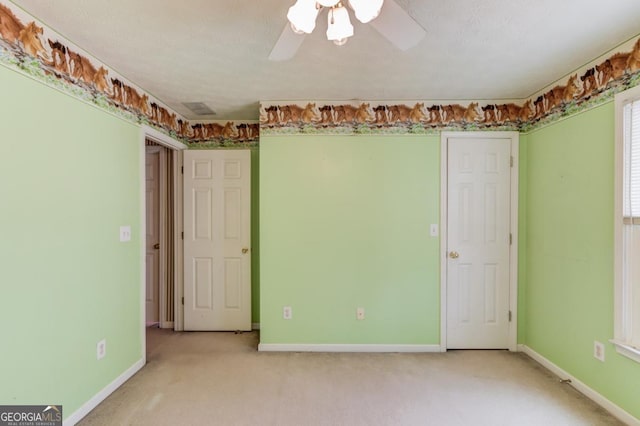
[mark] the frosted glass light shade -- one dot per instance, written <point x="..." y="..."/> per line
<point x="328" y="3"/>
<point x="340" y="27"/>
<point x="302" y="16"/>
<point x="366" y="10"/>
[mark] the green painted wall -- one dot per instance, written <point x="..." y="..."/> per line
<point x="345" y="224"/>
<point x="69" y="178"/>
<point x="569" y="258"/>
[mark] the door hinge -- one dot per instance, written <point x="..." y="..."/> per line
<point x="511" y="161"/>
<point x="183" y="304"/>
<point x="509" y="315"/>
<point x="182" y="169"/>
<point x="182" y="235"/>
<point x="510" y="239"/>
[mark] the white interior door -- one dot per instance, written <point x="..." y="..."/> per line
<point x="152" y="258"/>
<point x="478" y="242"/>
<point x="217" y="237"/>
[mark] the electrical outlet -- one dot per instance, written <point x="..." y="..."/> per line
<point x="598" y="351"/>
<point x="360" y="314"/>
<point x="433" y="230"/>
<point x="287" y="312"/>
<point x="101" y="349"/>
<point x="125" y="233"/>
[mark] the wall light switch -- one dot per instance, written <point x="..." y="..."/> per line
<point x="101" y="349"/>
<point x="125" y="233"/>
<point x="433" y="230"/>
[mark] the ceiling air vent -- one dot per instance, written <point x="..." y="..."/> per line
<point x="199" y="108"/>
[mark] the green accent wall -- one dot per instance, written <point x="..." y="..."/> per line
<point x="69" y="179"/>
<point x="568" y="300"/>
<point x="345" y="224"/>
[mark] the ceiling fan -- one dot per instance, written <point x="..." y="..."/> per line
<point x="386" y="16"/>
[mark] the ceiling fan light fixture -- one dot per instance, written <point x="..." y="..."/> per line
<point x="389" y="19"/>
<point x="366" y="10"/>
<point x="302" y="16"/>
<point x="339" y="28"/>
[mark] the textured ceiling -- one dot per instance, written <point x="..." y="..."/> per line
<point x="215" y="51"/>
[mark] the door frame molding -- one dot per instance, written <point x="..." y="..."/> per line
<point x="176" y="147"/>
<point x="513" y="249"/>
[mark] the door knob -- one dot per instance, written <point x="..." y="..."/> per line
<point x="156" y="246"/>
<point x="245" y="250"/>
<point x="454" y="255"/>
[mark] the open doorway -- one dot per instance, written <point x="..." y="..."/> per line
<point x="162" y="218"/>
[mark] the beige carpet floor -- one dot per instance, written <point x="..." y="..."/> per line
<point x="220" y="379"/>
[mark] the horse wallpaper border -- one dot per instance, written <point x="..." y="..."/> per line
<point x="595" y="84"/>
<point x="58" y="64"/>
<point x="64" y="66"/>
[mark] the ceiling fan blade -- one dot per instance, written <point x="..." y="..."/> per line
<point x="287" y="45"/>
<point x="397" y="26"/>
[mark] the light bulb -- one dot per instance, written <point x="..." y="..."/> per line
<point x="339" y="27"/>
<point x="328" y="3"/>
<point x="302" y="16"/>
<point x="366" y="10"/>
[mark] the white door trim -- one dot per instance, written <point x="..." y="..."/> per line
<point x="149" y="133"/>
<point x="513" y="249"/>
<point x="161" y="139"/>
<point x="178" y="312"/>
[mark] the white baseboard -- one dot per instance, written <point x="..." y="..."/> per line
<point x="286" y="347"/>
<point x="581" y="387"/>
<point x="255" y="326"/>
<point x="103" y="394"/>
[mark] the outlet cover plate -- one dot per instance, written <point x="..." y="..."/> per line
<point x="598" y="351"/>
<point x="287" y="312"/>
